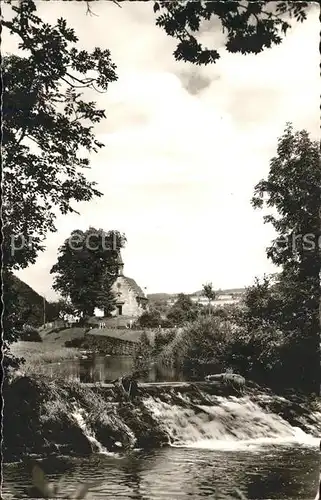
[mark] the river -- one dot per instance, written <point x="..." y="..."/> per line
<point x="268" y="472"/>
<point x="100" y="368"/>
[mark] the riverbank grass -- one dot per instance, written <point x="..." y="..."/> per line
<point x="41" y="352"/>
<point x="40" y="356"/>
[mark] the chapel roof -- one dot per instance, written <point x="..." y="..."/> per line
<point x="133" y="285"/>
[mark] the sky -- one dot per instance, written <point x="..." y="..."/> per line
<point x="185" y="146"/>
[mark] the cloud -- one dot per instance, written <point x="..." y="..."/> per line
<point x="194" y="82"/>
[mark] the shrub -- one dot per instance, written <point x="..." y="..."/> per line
<point x="182" y="311"/>
<point x="150" y="319"/>
<point x="214" y="344"/>
<point x="162" y="339"/>
<point x="199" y="347"/>
<point x="204" y="343"/>
<point x="143" y="354"/>
<point x="30" y="334"/>
<point x="257" y="354"/>
<point x="77" y="342"/>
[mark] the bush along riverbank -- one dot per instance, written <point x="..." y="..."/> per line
<point x="45" y="417"/>
<point x="264" y="353"/>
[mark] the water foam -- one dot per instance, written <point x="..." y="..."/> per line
<point x="97" y="446"/>
<point x="230" y="423"/>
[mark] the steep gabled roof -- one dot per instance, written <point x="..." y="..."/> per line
<point x="133" y="286"/>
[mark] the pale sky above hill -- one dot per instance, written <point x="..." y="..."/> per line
<point x="184" y="148"/>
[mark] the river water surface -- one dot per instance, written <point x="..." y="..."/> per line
<point x="269" y="472"/>
<point x="100" y="368"/>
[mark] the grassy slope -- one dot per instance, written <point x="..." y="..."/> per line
<point x="61" y="336"/>
<point x="124" y="334"/>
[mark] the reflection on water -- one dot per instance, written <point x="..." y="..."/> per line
<point x="271" y="473"/>
<point x="99" y="368"/>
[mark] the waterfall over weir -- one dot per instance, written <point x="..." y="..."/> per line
<point x="78" y="415"/>
<point x="230" y="423"/>
<point x="73" y="419"/>
<point x="201" y="420"/>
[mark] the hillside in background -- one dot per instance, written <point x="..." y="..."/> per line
<point x="163" y="297"/>
<point x="32" y="304"/>
<point x="228" y="291"/>
<point x="155" y="297"/>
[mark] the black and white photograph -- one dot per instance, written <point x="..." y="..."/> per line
<point x="161" y="250"/>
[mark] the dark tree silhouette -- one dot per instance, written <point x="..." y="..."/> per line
<point x="47" y="129"/>
<point x="250" y="27"/>
<point x="86" y="269"/>
<point x="47" y="136"/>
<point x="293" y="190"/>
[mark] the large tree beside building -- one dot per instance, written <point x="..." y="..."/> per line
<point x="293" y="193"/>
<point x="86" y="269"/>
